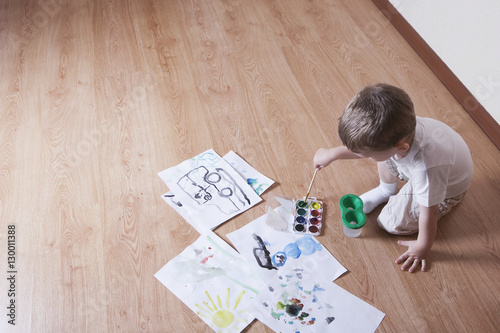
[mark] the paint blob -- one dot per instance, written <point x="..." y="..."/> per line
<point x="313" y="229"/>
<point x="293" y="308"/>
<point x="262" y="254"/>
<point x="316" y="205"/>
<point x="315" y="213"/>
<point x="300" y="219"/>
<point x="223" y="318"/>
<point x="307" y="245"/>
<point x="301" y="204"/>
<point x="279" y="259"/>
<point x="299" y="227"/>
<point x="292" y="250"/>
<point x="314" y="221"/>
<point x="301" y="211"/>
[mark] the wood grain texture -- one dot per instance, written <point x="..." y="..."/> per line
<point x="96" y="97"/>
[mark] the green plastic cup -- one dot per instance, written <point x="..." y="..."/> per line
<point x="353" y="218"/>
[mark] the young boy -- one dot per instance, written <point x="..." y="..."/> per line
<point x="380" y="123"/>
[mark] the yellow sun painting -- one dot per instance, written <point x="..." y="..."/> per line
<point x="223" y="316"/>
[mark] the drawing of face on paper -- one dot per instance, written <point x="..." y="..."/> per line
<point x="297" y="299"/>
<point x="208" y="190"/>
<point x="215" y="282"/>
<point x="269" y="250"/>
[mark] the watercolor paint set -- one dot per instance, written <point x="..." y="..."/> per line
<point x="287" y="214"/>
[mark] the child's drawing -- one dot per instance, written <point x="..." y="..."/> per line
<point x="256" y="180"/>
<point x="305" y="245"/>
<point x="207" y="190"/>
<point x="169" y="197"/>
<point x="298" y="300"/>
<point x="215" y="282"/>
<point x="215" y="187"/>
<point x="270" y="250"/>
<point x="223" y="314"/>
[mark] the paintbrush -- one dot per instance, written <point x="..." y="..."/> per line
<point x="310" y="186"/>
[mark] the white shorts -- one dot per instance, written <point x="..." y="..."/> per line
<point x="400" y="214"/>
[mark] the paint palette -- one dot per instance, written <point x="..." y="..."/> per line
<point x="287" y="214"/>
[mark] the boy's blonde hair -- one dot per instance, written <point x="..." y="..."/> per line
<point x="377" y="118"/>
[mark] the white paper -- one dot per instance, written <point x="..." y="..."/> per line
<point x="215" y="282"/>
<point x="269" y="250"/>
<point x="255" y="179"/>
<point x="209" y="190"/>
<point x="300" y="300"/>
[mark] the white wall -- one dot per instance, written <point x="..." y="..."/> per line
<point x="465" y="34"/>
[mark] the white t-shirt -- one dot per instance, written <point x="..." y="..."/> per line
<point x="438" y="164"/>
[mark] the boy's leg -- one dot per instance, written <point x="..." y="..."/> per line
<point x="400" y="215"/>
<point x="388" y="186"/>
<point x="445" y="206"/>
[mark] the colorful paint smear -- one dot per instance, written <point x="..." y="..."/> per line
<point x="299" y="300"/>
<point x="305" y="245"/>
<point x="295" y="304"/>
<point x="215" y="282"/>
<point x="270" y="250"/>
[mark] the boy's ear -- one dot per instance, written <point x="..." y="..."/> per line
<point x="403" y="144"/>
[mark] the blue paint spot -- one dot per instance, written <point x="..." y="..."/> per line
<point x="279" y="259"/>
<point x="317" y="288"/>
<point x="292" y="250"/>
<point x="307" y="245"/>
<point x="303" y="246"/>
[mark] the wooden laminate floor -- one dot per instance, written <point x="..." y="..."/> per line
<point x="96" y="97"/>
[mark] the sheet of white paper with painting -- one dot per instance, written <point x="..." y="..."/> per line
<point x="208" y="191"/>
<point x="255" y="179"/>
<point x="298" y="299"/>
<point x="214" y="281"/>
<point x="270" y="250"/>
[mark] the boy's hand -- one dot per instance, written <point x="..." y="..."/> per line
<point x="418" y="249"/>
<point x="322" y="158"/>
<point x="413" y="257"/>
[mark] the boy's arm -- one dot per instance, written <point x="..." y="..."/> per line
<point x="325" y="156"/>
<point x="418" y="249"/>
